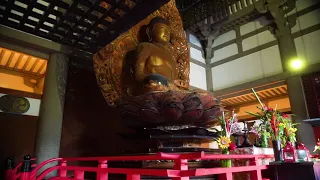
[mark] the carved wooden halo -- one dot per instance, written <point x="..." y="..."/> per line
<point x="110" y="62"/>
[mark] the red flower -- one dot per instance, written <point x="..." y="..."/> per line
<point x="269" y="109"/>
<point x="274" y="124"/>
<point x="265" y="108"/>
<point x="285" y="116"/>
<point x="232" y="147"/>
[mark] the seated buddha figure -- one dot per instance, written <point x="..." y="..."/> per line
<point x="155" y="67"/>
<point x="161" y="99"/>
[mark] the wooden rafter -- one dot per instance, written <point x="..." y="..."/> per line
<point x="82" y="24"/>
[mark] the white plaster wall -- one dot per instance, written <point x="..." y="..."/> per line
<point x="257" y="40"/>
<point x="198" y="76"/>
<point x="308" y="47"/>
<point x="254" y="25"/>
<point x="252" y="67"/>
<point x="266" y="62"/>
<point x="302" y="4"/>
<point x="196" y="54"/>
<point x="34" y="106"/>
<point x="194" y="40"/>
<point x="224" y="52"/>
<point x="228" y="36"/>
<point x="307" y="20"/>
<point x="197" y="73"/>
<point x="271" y="63"/>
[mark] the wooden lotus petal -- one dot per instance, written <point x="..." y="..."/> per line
<point x="191" y="102"/>
<point x="193" y="108"/>
<point x="151" y="116"/>
<point x="171" y="106"/>
<point x="168" y="108"/>
<point x="210" y="114"/>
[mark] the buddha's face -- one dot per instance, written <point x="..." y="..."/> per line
<point x="161" y="33"/>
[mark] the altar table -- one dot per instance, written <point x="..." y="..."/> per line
<point x="293" y="171"/>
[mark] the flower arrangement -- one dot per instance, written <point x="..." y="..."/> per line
<point x="289" y="129"/>
<point x="274" y="124"/>
<point x="228" y="127"/>
<point x="257" y="129"/>
<point x="270" y="124"/>
<point x="317" y="146"/>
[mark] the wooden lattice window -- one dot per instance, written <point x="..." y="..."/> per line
<point x="311" y="84"/>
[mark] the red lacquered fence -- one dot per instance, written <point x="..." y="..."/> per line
<point x="14" y="173"/>
<point x="180" y="170"/>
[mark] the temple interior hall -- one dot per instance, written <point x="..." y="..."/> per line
<point x="71" y="86"/>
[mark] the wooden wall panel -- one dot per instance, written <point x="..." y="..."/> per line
<point x="17" y="137"/>
<point x="90" y="126"/>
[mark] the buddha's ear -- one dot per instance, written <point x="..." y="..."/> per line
<point x="148" y="32"/>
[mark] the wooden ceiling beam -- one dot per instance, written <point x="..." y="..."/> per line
<point x="18" y="61"/>
<point x="10" y="59"/>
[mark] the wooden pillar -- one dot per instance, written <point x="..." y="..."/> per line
<point x="51" y="109"/>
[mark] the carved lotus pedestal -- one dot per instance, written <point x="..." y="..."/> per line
<point x="170" y="108"/>
<point x="170" y="121"/>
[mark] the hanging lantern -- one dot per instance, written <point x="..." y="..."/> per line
<point x="289" y="153"/>
<point x="303" y="152"/>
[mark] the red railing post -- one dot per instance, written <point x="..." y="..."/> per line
<point x="78" y="174"/>
<point x="133" y="177"/>
<point x="180" y="164"/>
<point x="100" y="174"/>
<point x="62" y="172"/>
<point x="226" y="176"/>
<point x="256" y="174"/>
<point x="253" y="161"/>
<point x="9" y="174"/>
<point x="25" y="172"/>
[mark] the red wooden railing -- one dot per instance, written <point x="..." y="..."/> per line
<point x="180" y="170"/>
<point x="13" y="174"/>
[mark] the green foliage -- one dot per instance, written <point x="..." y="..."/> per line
<point x="223" y="131"/>
<point x="275" y="124"/>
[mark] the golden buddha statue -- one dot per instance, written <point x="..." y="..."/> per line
<point x="145" y="73"/>
<point x="161" y="98"/>
<point x="151" y="88"/>
<point x="155" y="68"/>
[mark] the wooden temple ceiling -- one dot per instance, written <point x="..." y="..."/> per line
<point x="205" y="18"/>
<point x="84" y="24"/>
<point x="22" y="63"/>
<point x="89" y="25"/>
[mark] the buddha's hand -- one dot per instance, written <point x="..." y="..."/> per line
<point x="181" y="84"/>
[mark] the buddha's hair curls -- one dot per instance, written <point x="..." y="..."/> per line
<point x="156" y="20"/>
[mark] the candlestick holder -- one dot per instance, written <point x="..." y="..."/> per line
<point x="246" y="141"/>
<point x="237" y="139"/>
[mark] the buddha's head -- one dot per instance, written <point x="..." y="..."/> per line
<point x="158" y="30"/>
